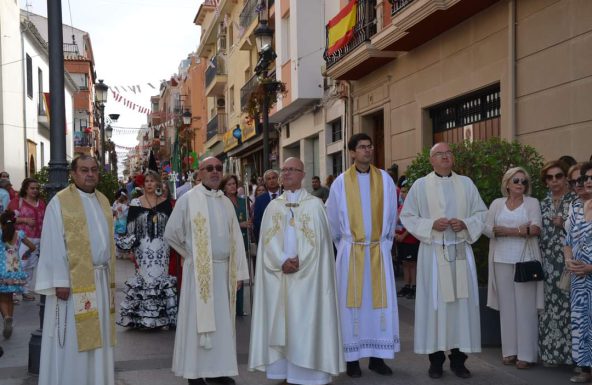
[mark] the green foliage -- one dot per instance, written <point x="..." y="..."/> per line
<point x="485" y="162"/>
<point x="108" y="183"/>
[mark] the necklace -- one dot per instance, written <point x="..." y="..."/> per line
<point x="61" y="337"/>
<point x="152" y="211"/>
<point x="513" y="204"/>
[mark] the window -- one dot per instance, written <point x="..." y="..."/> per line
<point x="29" y="77"/>
<point x="466" y="110"/>
<point x="81" y="80"/>
<point x="42" y="153"/>
<point x="231" y="100"/>
<point x="335" y="130"/>
<point x="336" y="164"/>
<point x="230" y="38"/>
<point x="41" y="102"/>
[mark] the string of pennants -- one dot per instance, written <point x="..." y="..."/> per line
<point x="118" y="146"/>
<point x="128" y="103"/>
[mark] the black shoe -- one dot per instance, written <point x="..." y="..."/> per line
<point x="404" y="291"/>
<point x="436" y="362"/>
<point x="197" y="381"/>
<point x="220" y="380"/>
<point x="353" y="369"/>
<point x="411" y="293"/>
<point x="435" y="371"/>
<point x="457" y="364"/>
<point x="377" y="365"/>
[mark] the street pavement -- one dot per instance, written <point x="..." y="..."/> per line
<point x="144" y="357"/>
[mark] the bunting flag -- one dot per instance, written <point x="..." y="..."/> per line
<point x="128" y="103"/>
<point x="341" y="27"/>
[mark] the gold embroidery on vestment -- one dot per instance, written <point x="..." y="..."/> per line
<point x="306" y="230"/>
<point x="202" y="261"/>
<point x="277" y="220"/>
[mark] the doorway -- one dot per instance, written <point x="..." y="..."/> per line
<point x="373" y="125"/>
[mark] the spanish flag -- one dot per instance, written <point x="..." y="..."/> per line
<point x="341" y="27"/>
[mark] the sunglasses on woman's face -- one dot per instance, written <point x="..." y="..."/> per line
<point x="522" y="181"/>
<point x="557" y="176"/>
<point x="583" y="179"/>
<point x="575" y="182"/>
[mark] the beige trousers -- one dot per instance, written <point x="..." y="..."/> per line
<point x="518" y="314"/>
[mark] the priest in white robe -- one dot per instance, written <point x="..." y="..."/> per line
<point x="76" y="274"/>
<point x="295" y="333"/>
<point x="446" y="213"/>
<point x="362" y="212"/>
<point x="204" y="229"/>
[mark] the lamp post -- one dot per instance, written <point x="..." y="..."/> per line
<point x="264" y="38"/>
<point x="186" y="122"/>
<point x="100" y="100"/>
<point x="58" y="165"/>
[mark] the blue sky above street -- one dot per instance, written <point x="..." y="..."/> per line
<point x="135" y="42"/>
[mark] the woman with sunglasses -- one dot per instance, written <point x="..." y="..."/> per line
<point x="513" y="225"/>
<point x="578" y="260"/>
<point x="576" y="182"/>
<point x="554" y="324"/>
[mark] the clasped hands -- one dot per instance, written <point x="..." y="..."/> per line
<point x="578" y="268"/>
<point x="442" y="224"/>
<point x="291" y="265"/>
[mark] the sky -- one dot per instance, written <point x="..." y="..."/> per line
<point x="135" y="42"/>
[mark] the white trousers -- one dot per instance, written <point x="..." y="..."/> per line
<point x="284" y="370"/>
<point x="518" y="314"/>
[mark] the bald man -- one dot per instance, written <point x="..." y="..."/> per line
<point x="204" y="230"/>
<point x="295" y="309"/>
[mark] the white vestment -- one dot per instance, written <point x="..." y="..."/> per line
<point x="295" y="326"/>
<point x="442" y="325"/>
<point x="377" y="333"/>
<point x="190" y="359"/>
<point x="65" y="365"/>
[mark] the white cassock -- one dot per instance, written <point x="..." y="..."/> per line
<point x="439" y="324"/>
<point x="65" y="365"/>
<point x="295" y="326"/>
<point x="190" y="360"/>
<point x="378" y="329"/>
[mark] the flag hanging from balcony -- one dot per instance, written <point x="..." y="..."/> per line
<point x="340" y="29"/>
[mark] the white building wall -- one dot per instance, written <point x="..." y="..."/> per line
<point x="12" y="145"/>
<point x="308" y="41"/>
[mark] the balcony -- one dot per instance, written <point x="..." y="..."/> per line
<point x="216" y="76"/>
<point x="415" y="22"/>
<point x="358" y="57"/>
<point x="247" y="90"/>
<point x="215" y="129"/>
<point x="82" y="139"/>
<point x="248" y="14"/>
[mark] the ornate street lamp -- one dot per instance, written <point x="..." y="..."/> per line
<point x="186" y="118"/>
<point x="101" y="92"/>
<point x="264" y="38"/>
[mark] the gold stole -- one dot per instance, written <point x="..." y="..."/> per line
<point x="358" y="248"/>
<point x="203" y="264"/>
<point x="436" y="202"/>
<point x="82" y="275"/>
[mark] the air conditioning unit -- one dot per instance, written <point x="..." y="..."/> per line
<point x="220" y="102"/>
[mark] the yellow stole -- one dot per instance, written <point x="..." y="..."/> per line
<point x="82" y="275"/>
<point x="359" y="243"/>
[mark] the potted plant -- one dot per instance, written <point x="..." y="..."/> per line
<point x="485" y="162"/>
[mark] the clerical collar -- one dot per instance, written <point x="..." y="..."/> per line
<point x="209" y="189"/>
<point x="363" y="172"/>
<point x="443" y="176"/>
<point x="84" y="192"/>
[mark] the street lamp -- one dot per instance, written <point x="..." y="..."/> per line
<point x="186" y="118"/>
<point x="186" y="122"/>
<point x="264" y="38"/>
<point x="100" y="100"/>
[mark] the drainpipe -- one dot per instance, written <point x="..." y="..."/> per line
<point x="23" y="55"/>
<point x="347" y="121"/>
<point x="512" y="68"/>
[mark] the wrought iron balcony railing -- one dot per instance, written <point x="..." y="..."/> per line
<point x="399" y="5"/>
<point x="365" y="28"/>
<point x="216" y="125"/>
<point x="248" y="14"/>
<point x="82" y="139"/>
<point x="217" y="67"/>
<point x="247" y="90"/>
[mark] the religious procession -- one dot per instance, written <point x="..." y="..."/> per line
<point x="317" y="269"/>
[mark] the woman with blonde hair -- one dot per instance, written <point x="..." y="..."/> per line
<point x="513" y="225"/>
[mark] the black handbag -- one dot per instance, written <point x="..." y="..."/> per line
<point x="528" y="271"/>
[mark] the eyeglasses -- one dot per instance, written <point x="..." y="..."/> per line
<point x="574" y="182"/>
<point x="522" y="181"/>
<point x="210" y="168"/>
<point x="290" y="169"/>
<point x="363" y="147"/>
<point x="442" y="154"/>
<point x="557" y="176"/>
